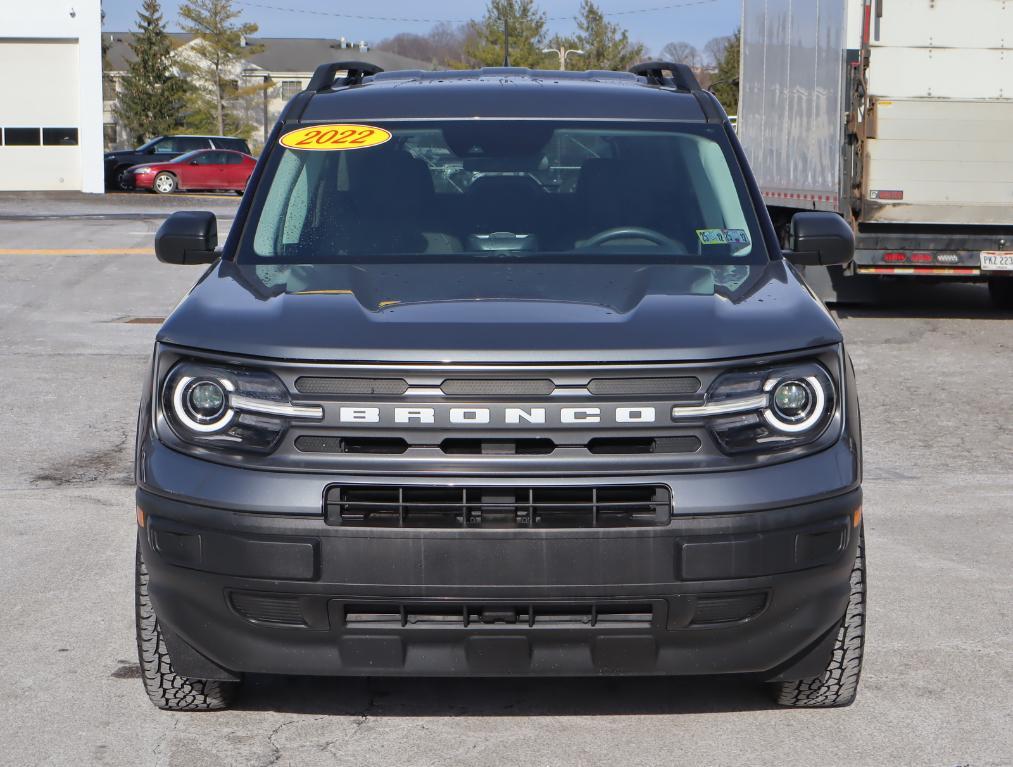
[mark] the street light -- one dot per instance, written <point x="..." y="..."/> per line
<point x="562" y="51"/>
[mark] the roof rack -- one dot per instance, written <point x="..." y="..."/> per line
<point x="323" y="77"/>
<point x="682" y="76"/>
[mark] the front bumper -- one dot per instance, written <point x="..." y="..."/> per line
<point x="139" y="181"/>
<point x="757" y="591"/>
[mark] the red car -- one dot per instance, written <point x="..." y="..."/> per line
<point x="218" y="169"/>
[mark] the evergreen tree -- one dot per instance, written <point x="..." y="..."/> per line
<point x="151" y="96"/>
<point x="726" y="79"/>
<point x="213" y="63"/>
<point x="484" y="45"/>
<point x="605" y="45"/>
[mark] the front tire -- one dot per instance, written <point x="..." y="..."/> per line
<point x="838" y="684"/>
<point x="167" y="689"/>
<point x="1000" y="289"/>
<point x="164" y="183"/>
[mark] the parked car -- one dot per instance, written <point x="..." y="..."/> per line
<point x="164" y="148"/>
<point x="213" y="169"/>
<point x="575" y="413"/>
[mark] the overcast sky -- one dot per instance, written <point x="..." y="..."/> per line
<point x="696" y="23"/>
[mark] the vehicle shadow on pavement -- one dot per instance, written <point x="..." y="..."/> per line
<point x="913" y="301"/>
<point x="426" y="697"/>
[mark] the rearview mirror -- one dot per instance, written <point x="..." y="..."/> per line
<point x="187" y="237"/>
<point x="820" y="239"/>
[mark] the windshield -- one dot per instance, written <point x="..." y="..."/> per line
<point x="528" y="189"/>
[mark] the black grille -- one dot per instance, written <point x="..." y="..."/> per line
<point x="727" y="608"/>
<point x="497" y="447"/>
<point x="498" y="507"/>
<point x="641" y="445"/>
<point x="532" y="615"/>
<point x="269" y="608"/>
<point x="496" y="387"/>
<point x="377" y="445"/>
<point x="320" y="385"/>
<point x="645" y="386"/>
<point x="459" y="446"/>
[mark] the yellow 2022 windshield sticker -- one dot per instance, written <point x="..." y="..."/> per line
<point x="338" y="137"/>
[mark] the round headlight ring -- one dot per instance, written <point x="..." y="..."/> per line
<point x="787" y="395"/>
<point x="190" y="395"/>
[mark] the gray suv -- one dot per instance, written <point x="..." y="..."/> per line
<point x="500" y="373"/>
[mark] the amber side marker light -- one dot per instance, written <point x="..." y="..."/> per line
<point x="140" y="517"/>
<point x="856" y="517"/>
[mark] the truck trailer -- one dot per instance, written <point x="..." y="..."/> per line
<point x="897" y="114"/>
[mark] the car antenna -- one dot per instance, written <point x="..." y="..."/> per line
<point x="506" y="41"/>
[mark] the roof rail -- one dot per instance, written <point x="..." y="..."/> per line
<point x="323" y="76"/>
<point x="682" y="76"/>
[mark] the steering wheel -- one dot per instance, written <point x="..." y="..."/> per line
<point x="630" y="233"/>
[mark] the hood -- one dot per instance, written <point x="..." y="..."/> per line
<point x="497" y="312"/>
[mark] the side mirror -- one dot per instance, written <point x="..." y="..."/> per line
<point x="195" y="162"/>
<point x="820" y="239"/>
<point x="187" y="237"/>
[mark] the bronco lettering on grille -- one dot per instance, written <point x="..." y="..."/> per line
<point x="508" y="416"/>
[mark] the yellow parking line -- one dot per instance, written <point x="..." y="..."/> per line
<point x="76" y="251"/>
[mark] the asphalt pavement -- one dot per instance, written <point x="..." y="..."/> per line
<point x="80" y="299"/>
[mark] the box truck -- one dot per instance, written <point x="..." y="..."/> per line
<point x="897" y="114"/>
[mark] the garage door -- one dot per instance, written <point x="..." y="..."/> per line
<point x="39" y="115"/>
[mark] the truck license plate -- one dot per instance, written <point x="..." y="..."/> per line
<point x="995" y="260"/>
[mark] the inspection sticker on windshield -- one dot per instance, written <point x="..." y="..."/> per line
<point x="723" y="236"/>
<point x="337" y="137"/>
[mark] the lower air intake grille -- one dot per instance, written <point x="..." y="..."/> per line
<point x="727" y="608"/>
<point x="497" y="507"/>
<point x="272" y="608"/>
<point x="455" y="615"/>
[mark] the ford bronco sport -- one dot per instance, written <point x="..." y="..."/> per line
<point x="500" y="372"/>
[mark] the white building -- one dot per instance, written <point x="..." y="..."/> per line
<point x="51" y="95"/>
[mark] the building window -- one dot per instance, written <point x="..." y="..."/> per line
<point x="109" y="134"/>
<point x="289" y="88"/>
<point x="59" y="136"/>
<point x="109" y="89"/>
<point x="22" y="136"/>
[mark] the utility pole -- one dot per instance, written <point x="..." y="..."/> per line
<point x="562" y="51"/>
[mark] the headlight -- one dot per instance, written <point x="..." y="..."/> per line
<point x="140" y="170"/>
<point x="235" y="409"/>
<point x="767" y="409"/>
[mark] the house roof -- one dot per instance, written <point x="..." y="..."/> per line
<point x="280" y="54"/>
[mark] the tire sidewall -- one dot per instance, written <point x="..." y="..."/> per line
<point x="170" y="188"/>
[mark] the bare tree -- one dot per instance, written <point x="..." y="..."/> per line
<point x="714" y="51"/>
<point x="443" y="45"/>
<point x="681" y="53"/>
